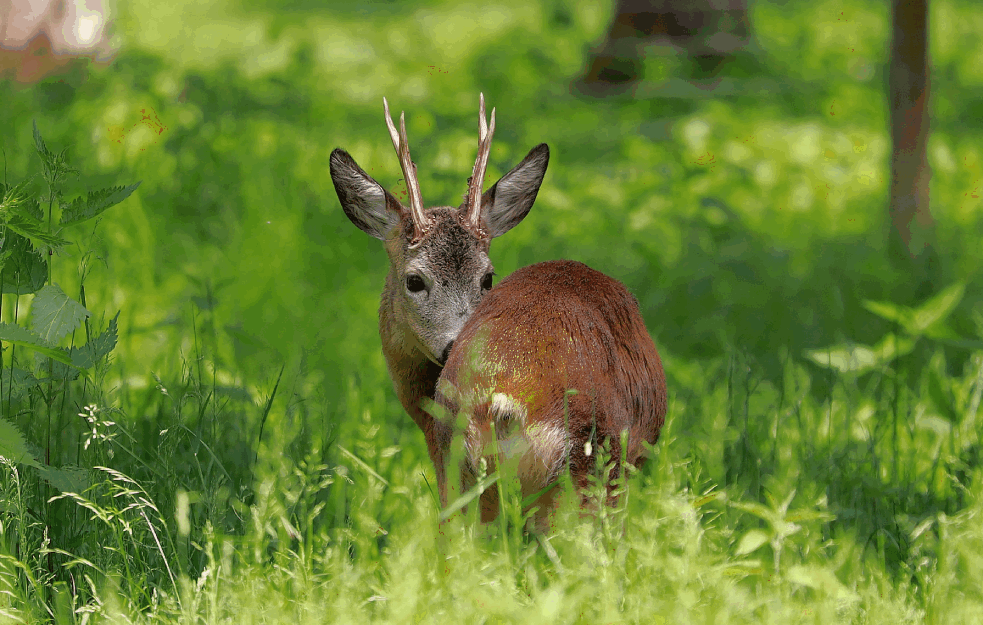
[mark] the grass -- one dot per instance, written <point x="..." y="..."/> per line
<point x="238" y="454"/>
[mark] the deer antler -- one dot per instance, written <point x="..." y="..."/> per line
<point x="472" y="206"/>
<point x="421" y="224"/>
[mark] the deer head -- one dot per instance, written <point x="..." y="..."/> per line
<point x="438" y="257"/>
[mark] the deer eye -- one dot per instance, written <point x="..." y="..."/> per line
<point x="414" y="283"/>
<point x="486" y="282"/>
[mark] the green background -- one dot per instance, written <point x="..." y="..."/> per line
<point x="751" y="224"/>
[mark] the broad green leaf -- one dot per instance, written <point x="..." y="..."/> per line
<point x="16" y="380"/>
<point x="924" y="319"/>
<point x="14" y="198"/>
<point x="89" y="354"/>
<point x="86" y="356"/>
<point x="822" y="580"/>
<point x="94" y="203"/>
<point x="859" y="359"/>
<point x="54" y="314"/>
<point x="943" y="332"/>
<point x="892" y="346"/>
<point x="13" y="445"/>
<point x="889" y="311"/>
<point x="21" y="213"/>
<point x="937" y="309"/>
<point x="751" y="542"/>
<point x="35" y="231"/>
<point x="19" y="335"/>
<point x="844" y="358"/>
<point x="759" y="510"/>
<point x="58" y="370"/>
<point x="33" y="209"/>
<point x="67" y="479"/>
<point x="18" y="200"/>
<point x="25" y="270"/>
<point x="784" y="528"/>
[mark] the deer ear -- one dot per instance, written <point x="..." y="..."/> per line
<point x="508" y="201"/>
<point x="367" y="204"/>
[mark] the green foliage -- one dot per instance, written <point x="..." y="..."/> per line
<point x="54" y="314"/>
<point x="36" y="403"/>
<point x="94" y="204"/>
<point x="96" y="348"/>
<point x="243" y="457"/>
<point x="24" y="270"/>
<point x="19" y="335"/>
<point x="54" y="166"/>
<point x="928" y="320"/>
<point x="13" y="445"/>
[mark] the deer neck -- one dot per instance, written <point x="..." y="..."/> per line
<point x="414" y="375"/>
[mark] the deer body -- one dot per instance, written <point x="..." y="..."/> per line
<point x="518" y="349"/>
<point x="544" y="331"/>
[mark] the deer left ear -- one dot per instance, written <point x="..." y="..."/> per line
<point x="509" y="200"/>
<point x="366" y="203"/>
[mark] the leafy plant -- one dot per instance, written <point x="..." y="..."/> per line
<point x="927" y="322"/>
<point x="37" y="418"/>
<point x="780" y="524"/>
<point x="27" y="246"/>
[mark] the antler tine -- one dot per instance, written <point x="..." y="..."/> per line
<point x="402" y="145"/>
<point x="485" y="131"/>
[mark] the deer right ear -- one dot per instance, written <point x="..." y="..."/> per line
<point x="509" y="200"/>
<point x="366" y="202"/>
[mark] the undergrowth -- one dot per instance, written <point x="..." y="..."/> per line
<point x="196" y="424"/>
<point x="762" y="502"/>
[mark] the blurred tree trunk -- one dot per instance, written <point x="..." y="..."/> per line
<point x="709" y="31"/>
<point x="911" y="219"/>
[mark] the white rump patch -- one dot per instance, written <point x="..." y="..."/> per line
<point x="505" y="408"/>
<point x="537" y="451"/>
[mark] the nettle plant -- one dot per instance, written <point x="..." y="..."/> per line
<point x="38" y="367"/>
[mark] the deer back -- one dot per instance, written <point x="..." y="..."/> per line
<point x="556" y="356"/>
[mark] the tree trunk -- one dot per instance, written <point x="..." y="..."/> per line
<point x="709" y="31"/>
<point x="912" y="224"/>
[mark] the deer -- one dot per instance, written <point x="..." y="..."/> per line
<point x="541" y="369"/>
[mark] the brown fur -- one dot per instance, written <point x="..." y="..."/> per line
<point x="542" y="331"/>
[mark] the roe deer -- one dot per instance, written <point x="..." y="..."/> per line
<point x="438" y="263"/>
<point x="543" y="331"/>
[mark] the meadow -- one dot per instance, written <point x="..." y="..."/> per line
<point x="197" y="421"/>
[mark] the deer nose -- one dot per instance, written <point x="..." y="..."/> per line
<point x="447" y="352"/>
